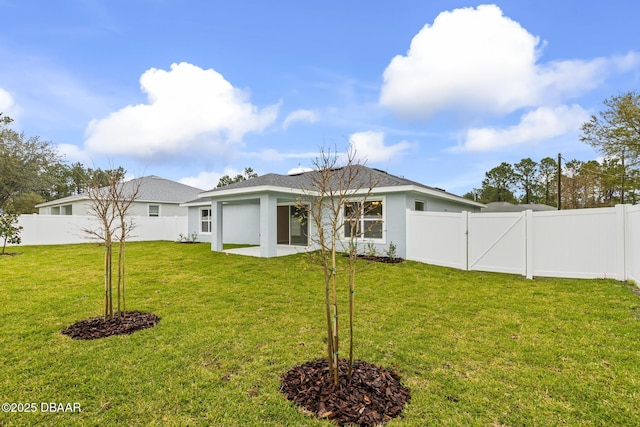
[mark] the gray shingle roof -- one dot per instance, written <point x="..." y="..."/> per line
<point x="152" y="188"/>
<point x="364" y="177"/>
<point x="164" y="190"/>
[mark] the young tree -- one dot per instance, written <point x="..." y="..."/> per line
<point x="110" y="205"/>
<point x="102" y="208"/>
<point x="335" y="203"/>
<point x="9" y="230"/>
<point x="124" y="194"/>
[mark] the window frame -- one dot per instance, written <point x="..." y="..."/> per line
<point x="203" y="220"/>
<point x="364" y="218"/>
<point x="149" y="206"/>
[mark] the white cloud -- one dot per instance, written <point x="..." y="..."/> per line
<point x="369" y="146"/>
<point x="538" y="125"/>
<point x="208" y="180"/>
<point x="189" y="111"/>
<point x="271" y="155"/>
<point x="300" y="116"/>
<point x="299" y="169"/>
<point x="7" y="104"/>
<point x="73" y="153"/>
<point x="478" y="60"/>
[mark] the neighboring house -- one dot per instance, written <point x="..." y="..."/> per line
<point x="156" y="197"/>
<point x="265" y="210"/>
<point x="510" y="207"/>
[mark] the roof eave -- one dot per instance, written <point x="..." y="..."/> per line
<point x="249" y="191"/>
<point x="62" y="201"/>
<point x="429" y="191"/>
<point x="194" y="203"/>
<point x="255" y="191"/>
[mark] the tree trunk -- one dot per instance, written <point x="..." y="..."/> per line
<point x="334" y="281"/>
<point x="352" y="291"/>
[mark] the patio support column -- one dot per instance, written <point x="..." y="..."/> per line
<point x="268" y="226"/>
<point x="216" y="226"/>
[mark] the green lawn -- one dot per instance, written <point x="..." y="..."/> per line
<point x="474" y="348"/>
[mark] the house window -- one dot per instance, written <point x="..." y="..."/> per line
<point x="419" y="206"/>
<point x="205" y="220"/>
<point x="55" y="210"/>
<point x="364" y="219"/>
<point x="66" y="210"/>
<point x="154" y="210"/>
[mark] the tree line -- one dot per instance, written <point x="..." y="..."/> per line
<point x="584" y="184"/>
<point x="614" y="179"/>
<point x="33" y="172"/>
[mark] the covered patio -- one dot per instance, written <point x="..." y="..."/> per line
<point x="281" y="227"/>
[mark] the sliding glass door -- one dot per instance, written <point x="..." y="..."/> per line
<point x="293" y="227"/>
<point x="299" y="226"/>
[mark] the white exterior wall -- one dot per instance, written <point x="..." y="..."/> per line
<point x="81" y="207"/>
<point x="586" y="243"/>
<point x="396" y="225"/>
<point x="166" y="209"/>
<point x="138" y="208"/>
<point x="241" y="224"/>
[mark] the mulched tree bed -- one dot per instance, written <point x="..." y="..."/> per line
<point x="384" y="259"/>
<point x="372" y="397"/>
<point x="378" y="258"/>
<point x="99" y="327"/>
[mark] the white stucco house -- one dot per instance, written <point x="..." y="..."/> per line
<point x="265" y="210"/>
<point x="157" y="197"/>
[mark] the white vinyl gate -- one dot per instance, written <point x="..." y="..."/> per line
<point x="495" y="243"/>
<point x="583" y="243"/>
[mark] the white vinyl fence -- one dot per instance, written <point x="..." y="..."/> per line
<point x="632" y="248"/>
<point x="65" y="229"/>
<point x="585" y="243"/>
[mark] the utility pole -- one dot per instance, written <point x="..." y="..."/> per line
<point x="559" y="181"/>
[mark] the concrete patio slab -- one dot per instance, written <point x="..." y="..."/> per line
<point x="282" y="250"/>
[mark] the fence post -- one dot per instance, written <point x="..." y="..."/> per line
<point x="407" y="233"/>
<point x="528" y="241"/>
<point x="621" y="225"/>
<point x="465" y="239"/>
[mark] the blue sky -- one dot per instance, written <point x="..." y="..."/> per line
<point x="436" y="91"/>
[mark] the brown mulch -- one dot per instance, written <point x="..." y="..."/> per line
<point x="378" y="258"/>
<point x="372" y="397"/>
<point x="384" y="259"/>
<point x="99" y="327"/>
